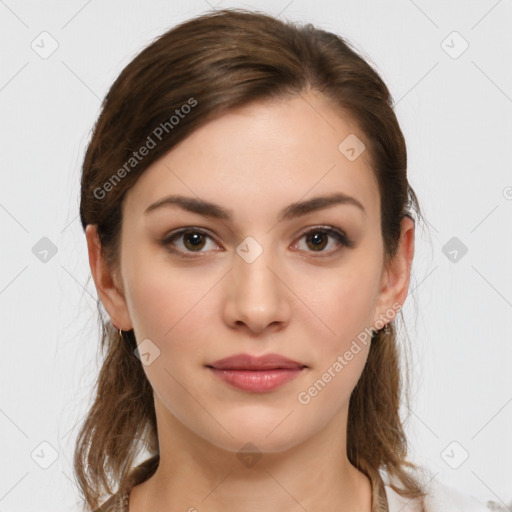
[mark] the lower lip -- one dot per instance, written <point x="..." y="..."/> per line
<point x="257" y="381"/>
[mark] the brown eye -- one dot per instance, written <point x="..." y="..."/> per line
<point x="188" y="241"/>
<point x="317" y="239"/>
<point x="193" y="240"/>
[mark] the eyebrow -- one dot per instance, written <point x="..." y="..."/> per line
<point x="208" y="209"/>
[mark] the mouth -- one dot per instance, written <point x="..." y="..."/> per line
<point x="258" y="381"/>
<point x="256" y="363"/>
<point x="257" y="374"/>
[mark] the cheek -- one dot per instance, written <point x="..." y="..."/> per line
<point x="164" y="302"/>
<point x="328" y="396"/>
<point x="343" y="303"/>
<point x="174" y="313"/>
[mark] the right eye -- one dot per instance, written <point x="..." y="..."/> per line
<point x="191" y="240"/>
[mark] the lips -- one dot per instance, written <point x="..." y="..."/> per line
<point x="256" y="374"/>
<point x="255" y="363"/>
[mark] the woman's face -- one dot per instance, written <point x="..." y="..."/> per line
<point x="252" y="281"/>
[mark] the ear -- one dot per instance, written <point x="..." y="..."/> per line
<point x="396" y="276"/>
<point x="110" y="294"/>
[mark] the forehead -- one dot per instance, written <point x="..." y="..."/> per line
<point x="263" y="155"/>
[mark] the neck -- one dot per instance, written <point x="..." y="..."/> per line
<point x="195" y="475"/>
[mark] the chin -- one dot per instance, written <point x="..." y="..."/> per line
<point x="270" y="435"/>
<point x="254" y="444"/>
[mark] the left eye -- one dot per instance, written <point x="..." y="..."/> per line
<point x="193" y="240"/>
<point x="318" y="238"/>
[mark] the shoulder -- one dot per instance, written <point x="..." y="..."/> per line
<point x="441" y="498"/>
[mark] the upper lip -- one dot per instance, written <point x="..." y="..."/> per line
<point x="250" y="362"/>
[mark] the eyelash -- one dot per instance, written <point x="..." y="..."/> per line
<point x="339" y="235"/>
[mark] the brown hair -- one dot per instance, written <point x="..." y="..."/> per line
<point x="194" y="72"/>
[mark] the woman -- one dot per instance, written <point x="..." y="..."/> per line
<point x="250" y="230"/>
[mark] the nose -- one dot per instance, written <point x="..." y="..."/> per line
<point x="257" y="297"/>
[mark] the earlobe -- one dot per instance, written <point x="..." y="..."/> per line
<point x="109" y="293"/>
<point x="396" y="276"/>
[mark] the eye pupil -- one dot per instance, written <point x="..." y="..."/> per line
<point x="195" y="239"/>
<point x="318" y="239"/>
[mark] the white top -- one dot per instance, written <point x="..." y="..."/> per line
<point x="441" y="498"/>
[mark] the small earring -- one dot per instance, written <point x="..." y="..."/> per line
<point x="386" y="329"/>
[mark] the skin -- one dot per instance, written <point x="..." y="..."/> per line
<point x="306" y="305"/>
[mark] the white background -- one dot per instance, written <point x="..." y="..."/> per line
<point x="456" y="117"/>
